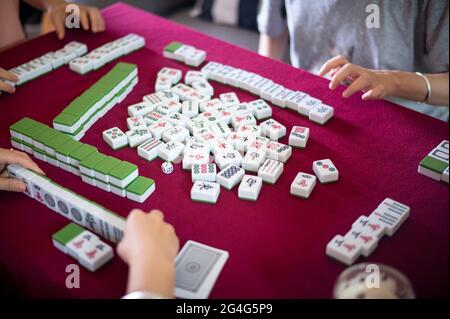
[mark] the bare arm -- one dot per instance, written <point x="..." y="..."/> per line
<point x="273" y="47"/>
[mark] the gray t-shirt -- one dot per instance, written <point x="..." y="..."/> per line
<point x="412" y="34"/>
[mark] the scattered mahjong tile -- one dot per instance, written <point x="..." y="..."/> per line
<point x="135" y="123"/>
<point x="149" y="149"/>
<point x="325" y="171"/>
<point x="392" y="214"/>
<point x="229" y="99"/>
<point x="197" y="156"/>
<point x="158" y="128"/>
<point x="173" y="74"/>
<point x="250" y="187"/>
<point x="190" y="108"/>
<point x="175" y="134"/>
<point x="343" y="249"/>
<point x="140" y="189"/>
<point x="242" y="119"/>
<point x="370" y="225"/>
<point x="140" y="109"/>
<point x="203" y="87"/>
<point x="123" y="174"/>
<point x="262" y="110"/>
<point x="194" y="76"/>
<point x="170" y="151"/>
<point x="224" y="159"/>
<point x="62" y="237"/>
<point x="253" y="160"/>
<point x="138" y="136"/>
<point x="195" y="58"/>
<point x="270" y="171"/>
<point x="95" y="255"/>
<point x="307" y="104"/>
<point x="273" y="129"/>
<point x="205" y="192"/>
<point x="230" y="176"/>
<point x="278" y="151"/>
<point x="115" y="138"/>
<point x="163" y="83"/>
<point x="204" y="172"/>
<point x="303" y="185"/>
<point x="299" y="136"/>
<point x="321" y="114"/>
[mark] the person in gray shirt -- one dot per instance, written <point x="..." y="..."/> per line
<point x="383" y="48"/>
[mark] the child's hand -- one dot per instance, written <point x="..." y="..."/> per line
<point x="7" y="76"/>
<point x="90" y="18"/>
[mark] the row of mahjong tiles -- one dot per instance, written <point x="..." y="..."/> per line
<point x="56" y="148"/>
<point x="96" y="101"/>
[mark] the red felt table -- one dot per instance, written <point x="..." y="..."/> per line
<point x="277" y="244"/>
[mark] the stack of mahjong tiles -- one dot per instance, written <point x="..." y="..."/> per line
<point x="69" y="204"/>
<point x="82" y="245"/>
<point x="107" y="53"/>
<point x="181" y="123"/>
<point x="95" y="102"/>
<point x="366" y="232"/>
<point x="48" y="62"/>
<point x="270" y="91"/>
<point x="184" y="53"/>
<point x="105" y="172"/>
<point x="435" y="164"/>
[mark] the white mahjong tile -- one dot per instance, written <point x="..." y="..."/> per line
<point x="211" y="67"/>
<point x="158" y="128"/>
<point x="140" y="109"/>
<point x="253" y="160"/>
<point x="243" y="108"/>
<point x="222" y="74"/>
<point x="270" y="171"/>
<point x="170" y="107"/>
<point x="138" y="136"/>
<point x="193" y="145"/>
<point x="177" y="119"/>
<point x="221" y="145"/>
<point x="95" y="255"/>
<point x="77" y="47"/>
<point x="174" y="74"/>
<point x="257" y="143"/>
<point x="299" y="136"/>
<point x="230" y="176"/>
<point x="249" y="130"/>
<point x="149" y="149"/>
<point x="392" y="214"/>
<point x="18" y="172"/>
<point x="194" y="76"/>
<point x="221" y="129"/>
<point x="210" y="105"/>
<point x="155" y="99"/>
<point x="196" y="124"/>
<point x="49" y="192"/>
<point x="37" y="187"/>
<point x="238" y="119"/>
<point x="321" y="114"/>
<point x="343" y="249"/>
<point x="303" y="185"/>
<point x="268" y="92"/>
<point x="191" y="157"/>
<point x="224" y="115"/>
<point x="306" y="104"/>
<point x="203" y="87"/>
<point x="223" y="159"/>
<point x="181" y="53"/>
<point x="370" y="226"/>
<point x="76" y="246"/>
<point x="445" y="176"/>
<point x="233" y="77"/>
<point x="175" y="134"/>
<point x="233" y="138"/>
<point x="293" y="100"/>
<point x="258" y="84"/>
<point x="136" y="122"/>
<point x="241" y="143"/>
<point x="204" y="172"/>
<point x="190" y="108"/>
<point x="163" y="83"/>
<point x="170" y="151"/>
<point x="229" y="99"/>
<point x="81" y="65"/>
<point x="273" y="129"/>
<point x="153" y="117"/>
<point x="205" y="136"/>
<point x="207" y="192"/>
<point x="261" y="109"/>
<point x="250" y="187"/>
<point x="325" y="171"/>
<point x="367" y="241"/>
<point x="195" y="58"/>
<point x="280" y="98"/>
<point x="196" y="96"/>
<point x="182" y="90"/>
<point x="248" y="84"/>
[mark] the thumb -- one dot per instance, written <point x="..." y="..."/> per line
<point x="12" y="185"/>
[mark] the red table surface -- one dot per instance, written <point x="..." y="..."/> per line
<point x="277" y="244"/>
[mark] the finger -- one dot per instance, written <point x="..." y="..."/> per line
<point x="361" y="83"/>
<point x="374" y="94"/>
<point x="7" y="87"/>
<point x="331" y="64"/>
<point x="157" y="214"/>
<point x="341" y="75"/>
<point x="12" y="185"/>
<point x="14" y="157"/>
<point x="97" y="22"/>
<point x="5" y="75"/>
<point x="84" y="18"/>
<point x="58" y="22"/>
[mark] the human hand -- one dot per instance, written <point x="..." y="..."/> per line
<point x="15" y="157"/>
<point x="374" y="84"/>
<point x="149" y="247"/>
<point x="7" y="76"/>
<point x="90" y="18"/>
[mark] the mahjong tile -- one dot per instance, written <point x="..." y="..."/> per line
<point x="321" y="114"/>
<point x="138" y="136"/>
<point x="306" y="104"/>
<point x="325" y="171"/>
<point x="158" y="128"/>
<point x="170" y="151"/>
<point x="261" y="109"/>
<point x="253" y="160"/>
<point x="173" y="74"/>
<point x="229" y="99"/>
<point x="204" y="172"/>
<point x="367" y="241"/>
<point x="136" y="122"/>
<point x="250" y="187"/>
<point x="273" y="129"/>
<point x="299" y="136"/>
<point x="203" y="87"/>
<point x="207" y="192"/>
<point x="230" y="176"/>
<point x="194" y="76"/>
<point x="303" y="185"/>
<point x="149" y="149"/>
<point x="224" y="159"/>
<point x="221" y="129"/>
<point x="370" y="225"/>
<point x="270" y="171"/>
<point x="343" y="249"/>
<point x="238" y="120"/>
<point x="140" y="109"/>
<point x="278" y="151"/>
<point x="175" y="134"/>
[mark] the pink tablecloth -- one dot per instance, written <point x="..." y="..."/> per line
<point x="277" y="244"/>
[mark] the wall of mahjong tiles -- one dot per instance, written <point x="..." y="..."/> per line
<point x="277" y="244"/>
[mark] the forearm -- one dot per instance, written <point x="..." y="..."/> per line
<point x="411" y="86"/>
<point x="157" y="278"/>
<point x="273" y="47"/>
